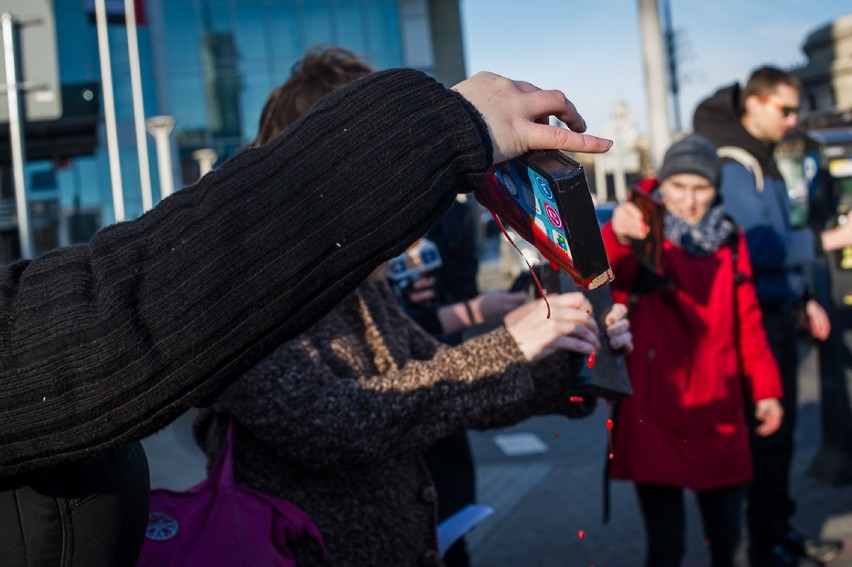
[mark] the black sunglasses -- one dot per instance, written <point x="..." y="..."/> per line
<point x="785" y="110"/>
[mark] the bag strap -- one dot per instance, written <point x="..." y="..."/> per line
<point x="745" y="159"/>
<point x="223" y="469"/>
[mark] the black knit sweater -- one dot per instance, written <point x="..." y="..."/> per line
<point x="108" y="342"/>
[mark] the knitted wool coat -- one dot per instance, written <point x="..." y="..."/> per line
<point x="105" y="343"/>
<point x="336" y="419"/>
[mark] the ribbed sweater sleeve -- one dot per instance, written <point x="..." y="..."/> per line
<point x="105" y="343"/>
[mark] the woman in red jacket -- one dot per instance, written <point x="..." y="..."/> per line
<point x="698" y="341"/>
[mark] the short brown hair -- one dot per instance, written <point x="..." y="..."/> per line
<point x="765" y="80"/>
<point x="320" y="71"/>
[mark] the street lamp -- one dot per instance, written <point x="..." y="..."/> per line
<point x="205" y="157"/>
<point x="160" y="127"/>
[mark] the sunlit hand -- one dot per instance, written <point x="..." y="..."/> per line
<point x="618" y="328"/>
<point x="819" y="325"/>
<point x="768" y="412"/>
<point x="628" y="223"/>
<point x="570" y="327"/>
<point x="838" y="237"/>
<point x="516" y="113"/>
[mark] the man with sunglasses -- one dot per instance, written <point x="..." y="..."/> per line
<point x="745" y="124"/>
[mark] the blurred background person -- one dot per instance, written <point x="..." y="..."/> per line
<point x="745" y="123"/>
<point x="699" y="345"/>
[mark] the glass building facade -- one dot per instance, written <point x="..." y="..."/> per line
<point x="210" y="64"/>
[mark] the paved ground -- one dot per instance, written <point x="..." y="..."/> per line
<point x="548" y="505"/>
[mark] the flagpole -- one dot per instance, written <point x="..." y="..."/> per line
<point x="138" y="104"/>
<point x="109" y="111"/>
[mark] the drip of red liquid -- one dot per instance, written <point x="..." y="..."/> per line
<point x="512" y="242"/>
<point x="609" y="425"/>
<point x="591" y="360"/>
<point x="581" y="534"/>
<point x="576" y="399"/>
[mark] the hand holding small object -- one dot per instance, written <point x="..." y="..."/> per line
<point x="513" y="111"/>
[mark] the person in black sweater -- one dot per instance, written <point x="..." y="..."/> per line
<point x="105" y="343"/>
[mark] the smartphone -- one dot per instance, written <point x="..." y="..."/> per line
<point x="607" y="378"/>
<point x="649" y="250"/>
<point x="544" y="197"/>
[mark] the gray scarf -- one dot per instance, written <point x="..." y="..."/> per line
<point x="704" y="238"/>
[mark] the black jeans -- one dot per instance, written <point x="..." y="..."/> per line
<point x="769" y="504"/>
<point x="665" y="523"/>
<point x="89" y="512"/>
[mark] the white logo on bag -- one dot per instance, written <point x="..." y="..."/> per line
<point x="161" y="527"/>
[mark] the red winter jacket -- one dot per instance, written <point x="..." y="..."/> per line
<point x="685" y="423"/>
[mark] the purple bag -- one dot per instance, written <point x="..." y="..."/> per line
<point x="220" y="523"/>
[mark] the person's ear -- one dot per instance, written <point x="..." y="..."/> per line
<point x="751" y="102"/>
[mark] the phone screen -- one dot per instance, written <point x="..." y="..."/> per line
<point x="544" y="197"/>
<point x="536" y="199"/>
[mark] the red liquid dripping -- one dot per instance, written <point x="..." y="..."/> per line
<point x="609" y="425"/>
<point x="576" y="399"/>
<point x="591" y="361"/>
<point x="581" y="534"/>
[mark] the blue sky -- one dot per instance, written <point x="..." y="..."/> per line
<point x="590" y="49"/>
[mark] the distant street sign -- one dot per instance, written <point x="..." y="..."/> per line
<point x="39" y="67"/>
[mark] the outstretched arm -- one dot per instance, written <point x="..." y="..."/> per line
<point x="104" y="343"/>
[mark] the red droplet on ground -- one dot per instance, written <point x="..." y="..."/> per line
<point x="581" y="534"/>
<point x="576" y="399"/>
<point x="591" y="361"/>
<point x="609" y="424"/>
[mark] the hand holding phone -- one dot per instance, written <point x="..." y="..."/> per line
<point x="649" y="250"/>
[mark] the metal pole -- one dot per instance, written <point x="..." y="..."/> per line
<point x="16" y="137"/>
<point x="109" y="111"/>
<point x="671" y="54"/>
<point x="655" y="79"/>
<point x="138" y="104"/>
<point x="160" y="127"/>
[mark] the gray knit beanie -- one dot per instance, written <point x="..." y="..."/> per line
<point x="692" y="154"/>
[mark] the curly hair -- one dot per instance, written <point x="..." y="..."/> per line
<point x="320" y="71"/>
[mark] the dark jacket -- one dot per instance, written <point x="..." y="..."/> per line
<point x="105" y="343"/>
<point x="336" y="420"/>
<point x="777" y="251"/>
